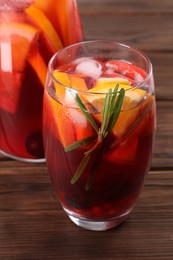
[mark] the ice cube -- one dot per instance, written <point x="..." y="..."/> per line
<point x="89" y="67"/>
<point x="6" y="56"/>
<point x="112" y="66"/>
<point x="79" y="118"/>
<point x="138" y="77"/>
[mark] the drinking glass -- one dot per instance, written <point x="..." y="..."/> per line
<point x="99" y="125"/>
<point x="31" y="31"/>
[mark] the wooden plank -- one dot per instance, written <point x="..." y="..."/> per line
<point x="163" y="74"/>
<point x="119" y="7"/>
<point x="163" y="150"/>
<point x="29" y="231"/>
<point x="144" y="32"/>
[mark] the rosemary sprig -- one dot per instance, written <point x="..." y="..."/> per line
<point x="110" y="113"/>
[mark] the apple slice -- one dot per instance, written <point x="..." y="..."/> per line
<point x="16" y="40"/>
<point x="15" y="43"/>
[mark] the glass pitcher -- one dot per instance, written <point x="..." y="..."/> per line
<point x="31" y="31"/>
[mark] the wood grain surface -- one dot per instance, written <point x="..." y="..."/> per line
<point x="32" y="224"/>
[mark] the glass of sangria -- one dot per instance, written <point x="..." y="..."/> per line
<point x="31" y="31"/>
<point x="99" y="126"/>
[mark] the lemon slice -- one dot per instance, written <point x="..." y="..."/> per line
<point x="96" y="95"/>
<point x="131" y="105"/>
<point x="133" y="96"/>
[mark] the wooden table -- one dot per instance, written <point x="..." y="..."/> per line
<point x="32" y="223"/>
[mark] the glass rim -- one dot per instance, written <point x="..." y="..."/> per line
<point x="131" y="87"/>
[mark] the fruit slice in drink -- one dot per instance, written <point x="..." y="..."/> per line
<point x="135" y="107"/>
<point x="20" y="36"/>
<point x="16" y="41"/>
<point x="132" y="72"/>
<point x="74" y="129"/>
<point x="135" y="102"/>
<point x="71" y="123"/>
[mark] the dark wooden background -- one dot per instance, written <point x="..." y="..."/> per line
<point x="32" y="223"/>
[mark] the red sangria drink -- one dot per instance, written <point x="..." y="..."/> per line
<point x="31" y="31"/>
<point x="99" y="126"/>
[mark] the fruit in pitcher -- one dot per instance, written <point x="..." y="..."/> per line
<point x="65" y="18"/>
<point x="47" y="32"/>
<point x="16" y="41"/>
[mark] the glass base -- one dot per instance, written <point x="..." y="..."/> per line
<point x="97" y="225"/>
<point x="39" y="160"/>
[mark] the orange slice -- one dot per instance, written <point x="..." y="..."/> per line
<point x="45" y="6"/>
<point x="71" y="122"/>
<point x="64" y="16"/>
<point x="76" y="31"/>
<point x="64" y="93"/>
<point x="48" y="7"/>
<point x="68" y="21"/>
<point x="104" y="83"/>
<point x="41" y="21"/>
<point x="38" y="64"/>
<point x="63" y="124"/>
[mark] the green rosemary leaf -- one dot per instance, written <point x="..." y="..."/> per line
<point x="105" y="110"/>
<point x="116" y="110"/>
<point x="114" y="98"/>
<point x="82" y="142"/>
<point x="90" y="180"/>
<point x="81" y="168"/>
<point x="111" y="110"/>
<point x="84" y="110"/>
<point x="97" y="154"/>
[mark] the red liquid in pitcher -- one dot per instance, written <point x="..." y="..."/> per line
<point x="28" y="39"/>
